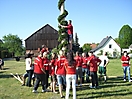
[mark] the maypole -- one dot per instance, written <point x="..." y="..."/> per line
<point x="63" y="42"/>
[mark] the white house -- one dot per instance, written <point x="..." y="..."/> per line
<point x="108" y="45"/>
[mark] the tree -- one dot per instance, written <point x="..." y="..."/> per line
<point x="86" y="47"/>
<point x="125" y="36"/>
<point x="75" y="43"/>
<point x="13" y="43"/>
<point x="117" y="40"/>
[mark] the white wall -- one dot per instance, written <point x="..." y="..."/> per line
<point x="114" y="47"/>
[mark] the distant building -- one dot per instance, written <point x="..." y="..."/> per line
<point x="93" y="45"/>
<point x="46" y="35"/>
<point x="109" y="45"/>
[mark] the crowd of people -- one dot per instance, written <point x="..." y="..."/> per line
<point x="64" y="69"/>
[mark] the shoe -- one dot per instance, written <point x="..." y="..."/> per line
<point x="23" y="84"/>
<point x="43" y="91"/>
<point x="92" y="87"/>
<point x="62" y="97"/>
<point x="97" y="87"/>
<point x="124" y="79"/>
<point x="130" y="80"/>
<point x="34" y="91"/>
<point x="80" y="85"/>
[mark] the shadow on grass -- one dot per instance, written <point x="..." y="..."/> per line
<point x="111" y="83"/>
<point x="110" y="93"/>
<point x="104" y="94"/>
<point x="5" y="68"/>
<point x="6" y="76"/>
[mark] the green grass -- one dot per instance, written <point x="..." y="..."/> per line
<point x="115" y="88"/>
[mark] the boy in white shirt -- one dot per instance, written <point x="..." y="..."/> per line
<point x="102" y="67"/>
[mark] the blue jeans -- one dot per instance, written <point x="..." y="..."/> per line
<point x="126" y="69"/>
<point x="85" y="71"/>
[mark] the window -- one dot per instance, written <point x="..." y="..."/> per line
<point x="110" y="46"/>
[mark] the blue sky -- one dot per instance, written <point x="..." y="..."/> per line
<point x="92" y="19"/>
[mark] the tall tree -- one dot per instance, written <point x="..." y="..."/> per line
<point x="117" y="40"/>
<point x="86" y="47"/>
<point x="13" y="43"/>
<point x="125" y="36"/>
<point x="76" y="43"/>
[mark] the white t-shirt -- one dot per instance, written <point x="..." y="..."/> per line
<point x="104" y="60"/>
<point x="28" y="63"/>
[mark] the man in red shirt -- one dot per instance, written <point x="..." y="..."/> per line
<point x="46" y="67"/>
<point x="70" y="32"/>
<point x="39" y="72"/>
<point x="93" y="63"/>
<point x="85" y="70"/>
<point x="125" y="60"/>
<point x="78" y="60"/>
<point x="60" y="71"/>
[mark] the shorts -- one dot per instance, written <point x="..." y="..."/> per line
<point x="79" y="72"/>
<point x="70" y="37"/>
<point x="102" y="70"/>
<point x="53" y="78"/>
<point x="61" y="79"/>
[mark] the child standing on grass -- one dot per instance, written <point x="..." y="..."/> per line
<point x="52" y="72"/>
<point x="93" y="63"/>
<point x="70" y="65"/>
<point x="102" y="67"/>
<point x="125" y="60"/>
<point x="1" y="63"/>
<point x="40" y="73"/>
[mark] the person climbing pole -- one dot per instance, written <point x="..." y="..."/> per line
<point x="70" y="32"/>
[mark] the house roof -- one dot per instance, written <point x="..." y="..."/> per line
<point x="102" y="43"/>
<point x="47" y="25"/>
<point x="93" y="46"/>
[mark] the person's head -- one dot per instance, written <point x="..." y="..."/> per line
<point x="70" y="57"/>
<point x="83" y="54"/>
<point x="53" y="55"/>
<point x="43" y="46"/>
<point x="61" y="53"/>
<point x="90" y="53"/>
<point x="77" y="53"/>
<point x="70" y="21"/>
<point x="44" y="54"/>
<point x="40" y="54"/>
<point x="29" y="55"/>
<point x="125" y="53"/>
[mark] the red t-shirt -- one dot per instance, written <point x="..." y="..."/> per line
<point x="60" y="66"/>
<point x="78" y="60"/>
<point x="38" y="65"/>
<point x="127" y="58"/>
<point x="52" y="67"/>
<point x="93" y="63"/>
<point x="70" y="69"/>
<point x="84" y="62"/>
<point x="46" y="63"/>
<point x="70" y="29"/>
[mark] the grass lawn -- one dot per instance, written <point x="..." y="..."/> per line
<point x="115" y="88"/>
